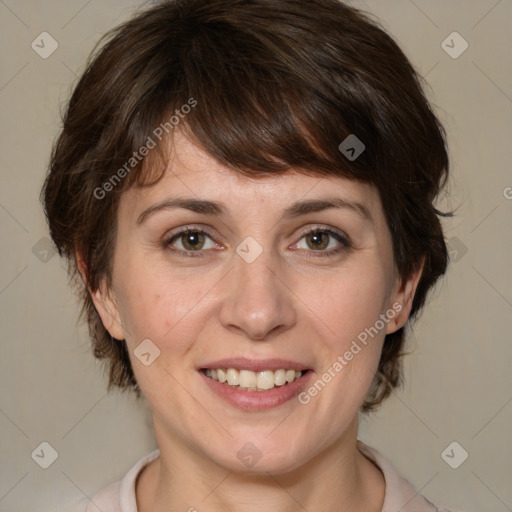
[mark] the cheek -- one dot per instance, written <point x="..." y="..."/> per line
<point x="159" y="305"/>
<point x="350" y="350"/>
<point x="347" y="303"/>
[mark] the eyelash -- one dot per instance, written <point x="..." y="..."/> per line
<point x="344" y="241"/>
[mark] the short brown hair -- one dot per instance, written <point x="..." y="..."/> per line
<point x="278" y="85"/>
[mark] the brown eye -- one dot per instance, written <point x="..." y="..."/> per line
<point x="322" y="242"/>
<point x="192" y="240"/>
<point x="317" y="240"/>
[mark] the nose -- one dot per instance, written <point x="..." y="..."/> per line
<point x="258" y="303"/>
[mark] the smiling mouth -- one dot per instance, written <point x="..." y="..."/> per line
<point x="248" y="380"/>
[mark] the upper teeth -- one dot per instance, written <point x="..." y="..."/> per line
<point x="253" y="381"/>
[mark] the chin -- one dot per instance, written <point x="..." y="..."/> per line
<point x="253" y="458"/>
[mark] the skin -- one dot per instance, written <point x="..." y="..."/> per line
<point x="282" y="305"/>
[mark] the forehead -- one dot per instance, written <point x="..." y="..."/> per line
<point x="193" y="173"/>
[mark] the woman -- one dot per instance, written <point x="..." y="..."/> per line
<point x="244" y="191"/>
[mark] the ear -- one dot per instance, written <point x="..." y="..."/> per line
<point x="104" y="302"/>
<point x="402" y="297"/>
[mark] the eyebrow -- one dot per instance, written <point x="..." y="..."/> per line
<point x="216" y="208"/>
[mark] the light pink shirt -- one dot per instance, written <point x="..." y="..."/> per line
<point x="400" y="495"/>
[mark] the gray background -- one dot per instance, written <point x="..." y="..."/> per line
<point x="458" y="379"/>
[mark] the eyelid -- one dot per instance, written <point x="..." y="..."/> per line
<point x="343" y="238"/>
<point x="192" y="227"/>
<point x="322" y="227"/>
<point x="169" y="239"/>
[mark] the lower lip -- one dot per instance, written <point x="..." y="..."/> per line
<point x="258" y="400"/>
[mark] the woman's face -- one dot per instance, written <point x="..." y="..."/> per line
<point x="252" y="283"/>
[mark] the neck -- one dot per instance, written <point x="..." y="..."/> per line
<point x="339" y="478"/>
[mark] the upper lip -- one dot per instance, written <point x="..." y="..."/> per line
<point x="255" y="365"/>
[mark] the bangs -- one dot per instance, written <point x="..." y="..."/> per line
<point x="257" y="111"/>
